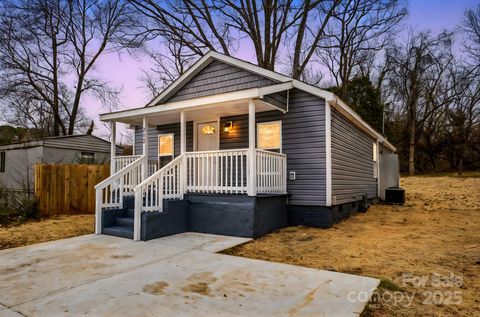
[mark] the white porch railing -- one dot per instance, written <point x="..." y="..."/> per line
<point x="110" y="192"/>
<point x="223" y="172"/>
<point x="271" y="172"/>
<point x="123" y="161"/>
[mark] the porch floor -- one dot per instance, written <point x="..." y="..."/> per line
<point x="175" y="275"/>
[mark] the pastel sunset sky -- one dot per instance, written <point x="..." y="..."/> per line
<point x="125" y="72"/>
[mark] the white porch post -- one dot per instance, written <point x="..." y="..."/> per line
<point x="252" y="157"/>
<point x="183" y="149"/>
<point x="183" y="132"/>
<point x="113" y="146"/>
<point x="145" y="149"/>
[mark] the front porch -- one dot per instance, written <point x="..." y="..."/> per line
<point x="207" y="170"/>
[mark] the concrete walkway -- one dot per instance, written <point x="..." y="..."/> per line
<point x="179" y="275"/>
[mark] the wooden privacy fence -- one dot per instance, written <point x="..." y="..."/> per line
<point x="67" y="188"/>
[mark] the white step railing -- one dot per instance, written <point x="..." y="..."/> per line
<point x="271" y="172"/>
<point x="121" y="162"/>
<point x="166" y="183"/>
<point x="110" y="192"/>
<point x="223" y="172"/>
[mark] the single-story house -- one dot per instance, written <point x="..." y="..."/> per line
<point x="232" y="148"/>
<point x="17" y="160"/>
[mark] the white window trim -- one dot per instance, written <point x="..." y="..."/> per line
<point x="281" y="133"/>
<point x="173" y="145"/>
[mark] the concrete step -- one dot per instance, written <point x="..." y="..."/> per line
<point x="125" y="221"/>
<point x="119" y="231"/>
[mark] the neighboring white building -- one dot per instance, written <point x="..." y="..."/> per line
<point x="17" y="160"/>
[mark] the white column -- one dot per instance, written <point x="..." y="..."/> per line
<point x="183" y="132"/>
<point x="183" y="149"/>
<point x="328" y="154"/>
<point x="252" y="157"/>
<point x="379" y="192"/>
<point x="113" y="146"/>
<point x="145" y="149"/>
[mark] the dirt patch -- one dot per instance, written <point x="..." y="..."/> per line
<point x="46" y="230"/>
<point x="121" y="256"/>
<point x="156" y="288"/>
<point x="436" y="234"/>
<point x="200" y="283"/>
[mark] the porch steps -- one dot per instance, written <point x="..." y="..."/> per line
<point x="119" y="231"/>
<point x="123" y="224"/>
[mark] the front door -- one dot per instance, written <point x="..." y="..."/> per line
<point x="207" y="136"/>
<point x="205" y="166"/>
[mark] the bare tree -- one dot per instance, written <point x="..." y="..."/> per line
<point x="48" y="50"/>
<point x="464" y="115"/>
<point x="421" y="80"/>
<point x="167" y="67"/>
<point x="357" y="31"/>
<point x="471" y="27"/>
<point x="195" y="27"/>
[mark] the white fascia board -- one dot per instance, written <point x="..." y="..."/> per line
<point x="344" y="109"/>
<point x="254" y="93"/>
<point x="183" y="104"/>
<point x="196" y="67"/>
<point x="328" y="96"/>
<point x="250" y="67"/>
<point x="275" y="88"/>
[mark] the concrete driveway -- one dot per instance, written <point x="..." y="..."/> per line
<point x="177" y="275"/>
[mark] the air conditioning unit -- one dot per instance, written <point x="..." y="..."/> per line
<point x="395" y="195"/>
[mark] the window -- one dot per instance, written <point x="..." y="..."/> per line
<point x="87" y="157"/>
<point x="165" y="144"/>
<point x="269" y="135"/>
<point x="2" y="162"/>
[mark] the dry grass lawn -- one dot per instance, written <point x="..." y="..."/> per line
<point x="46" y="230"/>
<point x="437" y="231"/>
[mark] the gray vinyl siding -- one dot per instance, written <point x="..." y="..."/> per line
<point x="217" y="78"/>
<point x="352" y="162"/>
<point x="153" y="139"/>
<point x="279" y="99"/>
<point x="152" y="142"/>
<point x="303" y="141"/>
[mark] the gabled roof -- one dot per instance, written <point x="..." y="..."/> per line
<point x="329" y="97"/>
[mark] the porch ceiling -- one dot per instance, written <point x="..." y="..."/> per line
<point x="227" y="104"/>
<point x="198" y="113"/>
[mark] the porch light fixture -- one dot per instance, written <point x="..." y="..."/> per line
<point x="228" y="126"/>
<point x="208" y="129"/>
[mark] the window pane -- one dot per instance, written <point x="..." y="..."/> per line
<point x="87" y="157"/>
<point x="165" y="144"/>
<point x="269" y="135"/>
<point x="2" y="162"/>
